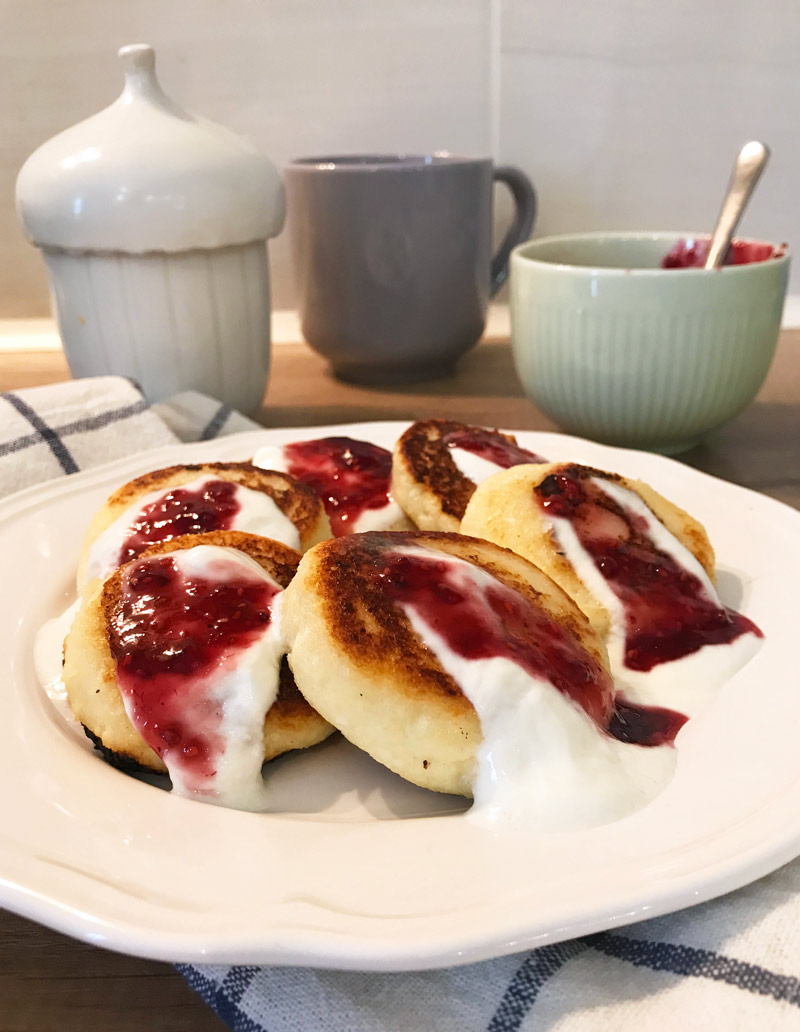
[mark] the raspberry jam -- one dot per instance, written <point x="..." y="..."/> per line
<point x="492" y="620"/>
<point x="645" y="725"/>
<point x="169" y="634"/>
<point x="349" y="476"/>
<point x="496" y="621"/>
<point x="692" y="253"/>
<point x="669" y="613"/>
<point x="213" y="506"/>
<point x="490" y="445"/>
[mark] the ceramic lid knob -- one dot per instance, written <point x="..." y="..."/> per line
<point x="145" y="175"/>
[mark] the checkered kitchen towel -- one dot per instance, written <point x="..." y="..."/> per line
<point x="732" y="964"/>
<point x="50" y="431"/>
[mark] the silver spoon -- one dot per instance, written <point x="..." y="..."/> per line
<point x="750" y="163"/>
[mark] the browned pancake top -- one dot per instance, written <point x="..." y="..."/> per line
<point x="373" y="630"/>
<point x="431" y="462"/>
<point x="296" y="501"/>
<point x="366" y="623"/>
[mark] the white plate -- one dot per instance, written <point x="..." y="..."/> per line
<point x="339" y="878"/>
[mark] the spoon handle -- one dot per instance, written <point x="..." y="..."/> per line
<point x="747" y="171"/>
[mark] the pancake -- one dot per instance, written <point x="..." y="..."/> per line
<point x="90" y="670"/>
<point x="360" y="663"/>
<point x="437" y="464"/>
<point x="504" y="509"/>
<point x="272" y="504"/>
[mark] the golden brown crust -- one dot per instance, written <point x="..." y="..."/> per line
<point x="296" y="501"/>
<point x="358" y="660"/>
<point x="378" y="637"/>
<point x="504" y="510"/>
<point x="90" y="669"/>
<point x="426" y="483"/>
<point x="368" y="625"/>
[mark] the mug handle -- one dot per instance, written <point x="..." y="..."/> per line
<point x="524" y="197"/>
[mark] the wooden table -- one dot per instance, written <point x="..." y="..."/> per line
<point x="48" y="982"/>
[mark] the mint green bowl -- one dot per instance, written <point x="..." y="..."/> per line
<point x="615" y="348"/>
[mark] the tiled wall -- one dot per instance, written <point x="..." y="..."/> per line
<point x="626" y="113"/>
<point x="629" y="113"/>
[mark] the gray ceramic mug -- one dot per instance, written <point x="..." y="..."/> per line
<point x="393" y="258"/>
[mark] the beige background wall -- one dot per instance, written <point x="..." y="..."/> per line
<point x="630" y="112"/>
<point x="625" y="112"/>
<point x="297" y="76"/>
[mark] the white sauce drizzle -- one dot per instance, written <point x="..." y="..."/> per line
<point x="686" y="684"/>
<point x="243" y="691"/>
<point x="258" y="514"/>
<point x="543" y="763"/>
<point x="48" y="657"/>
<point x="474" y="467"/>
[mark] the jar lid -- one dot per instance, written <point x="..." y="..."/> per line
<point x="145" y="175"/>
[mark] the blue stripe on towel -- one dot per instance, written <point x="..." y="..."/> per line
<point x="78" y="426"/>
<point x="44" y="432"/>
<point x="102" y="419"/>
<point x="224" y="999"/>
<point x="688" y="960"/>
<point x="537" y="968"/>
<point x="215" y="424"/>
<point x="237" y="981"/>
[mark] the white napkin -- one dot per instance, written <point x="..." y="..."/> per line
<point x="732" y="964"/>
<point x="55" y="430"/>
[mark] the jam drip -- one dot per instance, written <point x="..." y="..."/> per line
<point x="349" y="476"/>
<point x="169" y="634"/>
<point x="182" y="511"/>
<point x="692" y="253"/>
<point x="496" y="621"/>
<point x="668" y="611"/>
<point x="645" y="725"/>
<point x="490" y="445"/>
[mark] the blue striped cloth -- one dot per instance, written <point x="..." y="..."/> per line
<point x="728" y="965"/>
<point x="731" y="964"/>
<point x="51" y="431"/>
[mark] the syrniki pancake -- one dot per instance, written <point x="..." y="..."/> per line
<point x="115" y="626"/>
<point x="637" y="565"/>
<point x="193" y="499"/>
<point x="515" y="509"/>
<point x="437" y="464"/>
<point x="364" y="618"/>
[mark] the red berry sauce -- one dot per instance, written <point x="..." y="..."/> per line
<point x="482" y="623"/>
<point x="497" y="621"/>
<point x="645" y="725"/>
<point x="169" y="634"/>
<point x="182" y="511"/>
<point x="490" y="445"/>
<point x="692" y="253"/>
<point x="349" y="476"/>
<point x="668" y="611"/>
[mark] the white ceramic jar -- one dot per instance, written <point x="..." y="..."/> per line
<point x="153" y="224"/>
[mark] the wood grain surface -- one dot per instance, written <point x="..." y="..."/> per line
<point x="49" y="983"/>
